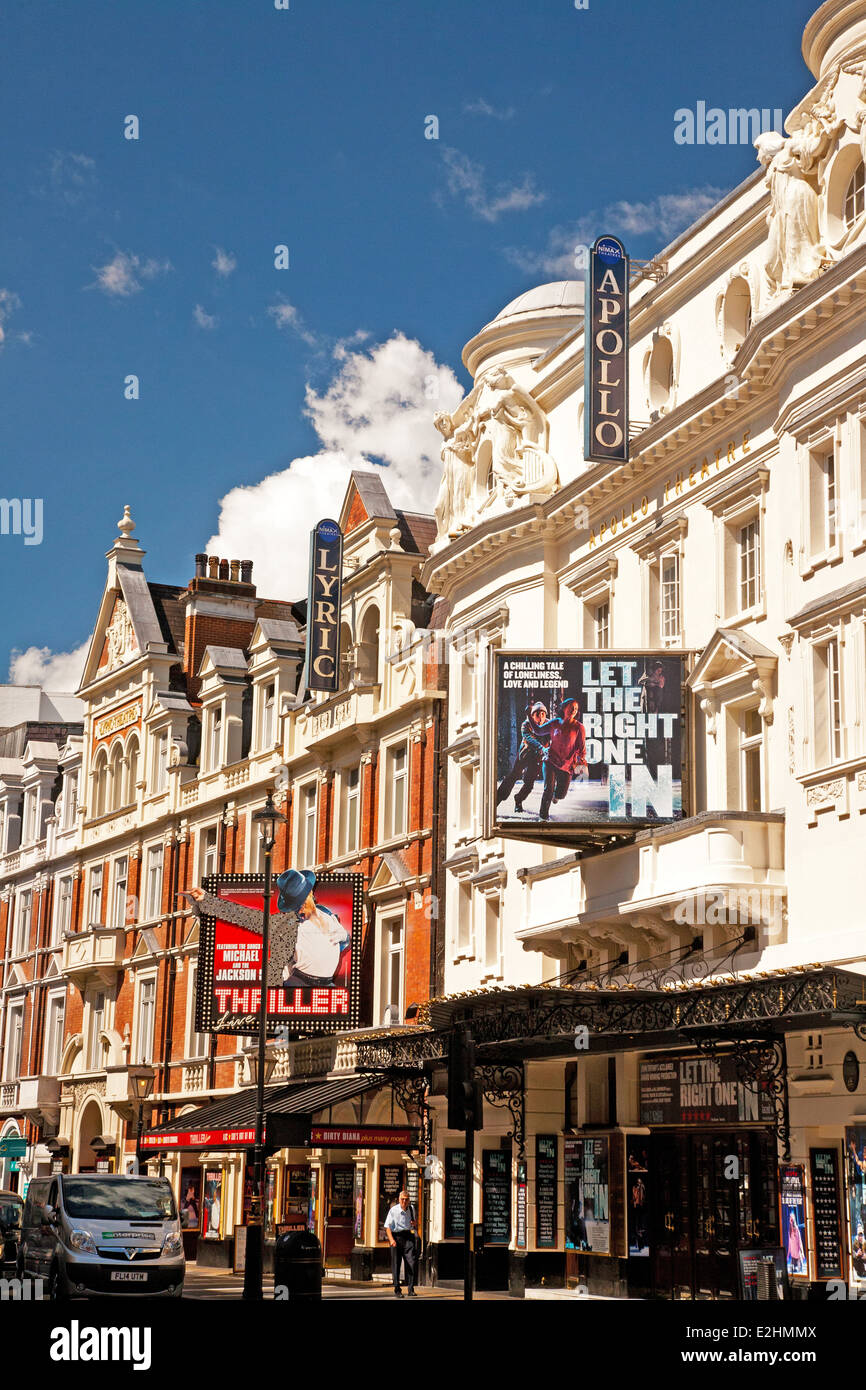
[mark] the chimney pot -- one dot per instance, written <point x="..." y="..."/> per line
<point x="234" y="566"/>
<point x="213" y="567"/>
<point x="224" y="569"/>
<point x="246" y="571"/>
<point x="200" y="562"/>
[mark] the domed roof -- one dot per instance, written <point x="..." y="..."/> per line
<point x="559" y="294"/>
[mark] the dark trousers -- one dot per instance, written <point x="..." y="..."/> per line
<point x="556" y="784"/>
<point x="527" y="766"/>
<point x="405" y="1249"/>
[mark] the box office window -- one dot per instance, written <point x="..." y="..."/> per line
<point x="190" y="1198"/>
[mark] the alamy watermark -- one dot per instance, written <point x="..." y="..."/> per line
<point x="22" y="516"/>
<point x="714" y="126"/>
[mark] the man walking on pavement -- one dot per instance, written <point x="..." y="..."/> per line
<point x="401" y="1232"/>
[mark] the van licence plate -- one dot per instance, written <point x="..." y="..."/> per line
<point x="128" y="1276"/>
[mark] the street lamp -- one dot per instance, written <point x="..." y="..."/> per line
<point x="140" y="1084"/>
<point x="267" y="820"/>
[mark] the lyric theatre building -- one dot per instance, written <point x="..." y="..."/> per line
<point x="670" y="1022"/>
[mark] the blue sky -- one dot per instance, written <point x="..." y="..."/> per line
<point x="305" y="127"/>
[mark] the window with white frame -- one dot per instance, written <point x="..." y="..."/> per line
<point x="70" y="799"/>
<point x="396" y="790"/>
<point x="197" y="1044"/>
<point x="466" y="800"/>
<point x="97" y="1024"/>
<point x="153" y="882"/>
<point x="119" y="886"/>
<point x="829" y="734"/>
<point x="669" y="597"/>
<point x="215" y="756"/>
<point x="31" y="803"/>
<point x="94" y="896"/>
<point x="268" y="722"/>
<point x="208" y="851"/>
<point x="492" y="933"/>
<point x="350" y="809"/>
<point x="391" y="972"/>
<point x="160" y="762"/>
<point x="854" y="196"/>
<point x="751" y="759"/>
<point x="23" y="919"/>
<point x="63" y="906"/>
<point x="601" y="625"/>
<point x="14" y="1042"/>
<point x="463" y="935"/>
<point x="54" y="1027"/>
<point x="749" y="561"/>
<point x="307" y="824"/>
<point x="822" y="511"/>
<point x="145" y="1020"/>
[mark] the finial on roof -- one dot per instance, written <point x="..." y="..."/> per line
<point x="126" y="525"/>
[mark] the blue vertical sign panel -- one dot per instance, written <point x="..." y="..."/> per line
<point x="323" y="606"/>
<point x="605" y="397"/>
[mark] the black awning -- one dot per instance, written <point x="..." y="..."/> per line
<point x="235" y="1115"/>
<point x="540" y="1020"/>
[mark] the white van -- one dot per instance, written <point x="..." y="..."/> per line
<point x="98" y="1235"/>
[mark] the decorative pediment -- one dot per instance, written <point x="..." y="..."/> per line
<point x="365" y="500"/>
<point x="730" y="659"/>
<point x="391" y="877"/>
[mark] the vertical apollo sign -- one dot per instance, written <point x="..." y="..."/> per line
<point x="323" y="606"/>
<point x="605" y="393"/>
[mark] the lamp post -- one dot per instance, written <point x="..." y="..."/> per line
<point x="267" y="820"/>
<point x="140" y="1082"/>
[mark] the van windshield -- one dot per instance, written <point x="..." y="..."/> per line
<point x="119" y="1199"/>
<point x="10" y="1211"/>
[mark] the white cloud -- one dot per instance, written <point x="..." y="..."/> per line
<point x="71" y="176"/>
<point x="480" y="107"/>
<point x="467" y="179"/>
<point x="664" y="217"/>
<point x="377" y="411"/>
<point x="223" y="262"/>
<point x="285" y="315"/>
<point x="9" y="302"/>
<point x="52" y="670"/>
<point x="120" y="276"/>
<point x="204" y="320"/>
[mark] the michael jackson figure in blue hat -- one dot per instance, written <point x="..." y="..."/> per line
<point x="306" y="939"/>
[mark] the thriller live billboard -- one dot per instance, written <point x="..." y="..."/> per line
<point x="315" y="956"/>
<point x="587" y="741"/>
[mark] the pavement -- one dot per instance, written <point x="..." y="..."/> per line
<point x="221" y="1284"/>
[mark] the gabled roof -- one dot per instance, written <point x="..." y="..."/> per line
<point x="365" y="500"/>
<point x="728" y="646"/>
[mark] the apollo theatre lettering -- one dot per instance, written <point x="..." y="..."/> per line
<point x="323" y="607"/>
<point x="606" y="353"/>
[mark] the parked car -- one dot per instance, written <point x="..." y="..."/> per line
<point x="11" y="1206"/>
<point x="97" y="1235"/>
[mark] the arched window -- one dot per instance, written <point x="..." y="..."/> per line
<point x="345" y="656"/>
<point x="131" y="770"/>
<point x="115" y="778"/>
<point x="100" y="784"/>
<point x="368" y="654"/>
<point x="855" y="196"/>
<point x="661" y="373"/>
<point x="737" y="314"/>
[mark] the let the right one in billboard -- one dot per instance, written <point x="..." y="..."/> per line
<point x="591" y="740"/>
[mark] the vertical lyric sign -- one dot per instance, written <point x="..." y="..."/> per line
<point x="323" y="606"/>
<point x="606" y="343"/>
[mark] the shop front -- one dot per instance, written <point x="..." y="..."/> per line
<point x="638" y="1142"/>
<point x="331" y="1168"/>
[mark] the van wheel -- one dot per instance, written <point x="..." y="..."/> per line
<point x="56" y="1291"/>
